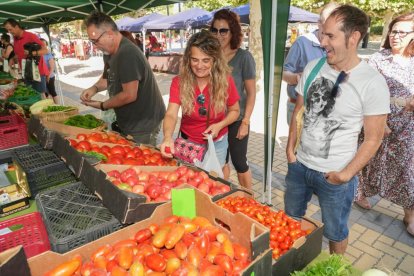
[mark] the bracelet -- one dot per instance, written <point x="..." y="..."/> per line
<point x="102" y="107"/>
<point x="97" y="89"/>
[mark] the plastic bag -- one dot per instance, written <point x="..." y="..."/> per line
<point x="210" y="162"/>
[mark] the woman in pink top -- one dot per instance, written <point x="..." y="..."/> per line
<point x="207" y="95"/>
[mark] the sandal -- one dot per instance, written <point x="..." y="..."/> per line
<point x="363" y="203"/>
<point x="409" y="229"/>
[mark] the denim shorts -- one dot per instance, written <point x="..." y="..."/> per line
<point x="335" y="200"/>
<point x="221" y="146"/>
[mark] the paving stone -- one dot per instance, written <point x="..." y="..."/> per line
<point x="356" y="253"/>
<point x="370" y="225"/>
<point x="407" y="265"/>
<point x="367" y="249"/>
<point x="386" y="240"/>
<point x="406" y="238"/>
<point x="385" y="211"/>
<point x="369" y="237"/>
<point x="384" y="203"/>
<point x="394" y="230"/>
<point x="404" y="247"/>
<point x="365" y="262"/>
<point x="388" y="263"/>
<point x="377" y="218"/>
<point x="317" y="215"/>
<point x="359" y="228"/>
<point x="355" y="215"/>
<point x="353" y="236"/>
<point x="393" y="251"/>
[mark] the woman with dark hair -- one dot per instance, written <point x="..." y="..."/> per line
<point x="391" y="172"/>
<point x="226" y="27"/>
<point x="206" y="93"/>
<point x="8" y="52"/>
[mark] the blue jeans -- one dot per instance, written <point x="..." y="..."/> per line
<point x="335" y="200"/>
<point x="221" y="146"/>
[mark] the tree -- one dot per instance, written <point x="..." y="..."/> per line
<point x="374" y="8"/>
<point x="210" y="5"/>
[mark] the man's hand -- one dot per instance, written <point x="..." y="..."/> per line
<point x="95" y="104"/>
<point x="87" y="94"/>
<point x="291" y="157"/>
<point x="337" y="178"/>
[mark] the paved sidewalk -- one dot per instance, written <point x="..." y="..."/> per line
<point x="377" y="237"/>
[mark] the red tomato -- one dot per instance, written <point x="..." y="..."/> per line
<point x="118" y="150"/>
<point x="84" y="145"/>
<point x="81" y="136"/>
<point x="156" y="262"/>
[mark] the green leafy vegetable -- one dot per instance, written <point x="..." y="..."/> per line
<point x="56" y="108"/>
<point x="96" y="155"/>
<point x="84" y="121"/>
<point x="335" y="265"/>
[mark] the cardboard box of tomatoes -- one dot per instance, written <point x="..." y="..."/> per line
<point x="296" y="255"/>
<point x="70" y="155"/>
<point x="132" y="193"/>
<point x="13" y="262"/>
<point x="250" y="236"/>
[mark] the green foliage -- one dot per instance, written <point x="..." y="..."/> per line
<point x="374" y="8"/>
<point x="210" y="5"/>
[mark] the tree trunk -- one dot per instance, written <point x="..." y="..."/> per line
<point x="387" y="20"/>
<point x="255" y="42"/>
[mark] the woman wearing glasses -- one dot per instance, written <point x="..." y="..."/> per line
<point x="226" y="27"/>
<point x="206" y="93"/>
<point x="391" y="172"/>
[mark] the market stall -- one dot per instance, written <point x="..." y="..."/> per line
<point x="88" y="189"/>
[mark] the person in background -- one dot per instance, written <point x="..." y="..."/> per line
<point x="50" y="79"/>
<point x="226" y="27"/>
<point x="8" y="52"/>
<point x="358" y="97"/>
<point x="391" y="172"/>
<point x="133" y="90"/>
<point x="305" y="49"/>
<point x="207" y="95"/>
<point x="21" y="37"/>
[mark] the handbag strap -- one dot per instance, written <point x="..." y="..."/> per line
<point x="312" y="76"/>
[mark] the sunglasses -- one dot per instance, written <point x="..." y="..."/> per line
<point x="222" y="31"/>
<point x="95" y="41"/>
<point x="201" y="99"/>
<point x="342" y="76"/>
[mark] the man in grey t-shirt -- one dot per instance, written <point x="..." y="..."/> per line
<point x="133" y="91"/>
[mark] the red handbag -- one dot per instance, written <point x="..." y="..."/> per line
<point x="188" y="151"/>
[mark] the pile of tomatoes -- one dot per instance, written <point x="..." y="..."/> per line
<point x="103" y="137"/>
<point x="284" y="230"/>
<point x="180" y="246"/>
<point x="157" y="185"/>
<point x="124" y="154"/>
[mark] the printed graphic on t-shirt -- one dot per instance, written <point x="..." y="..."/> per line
<point x="319" y="125"/>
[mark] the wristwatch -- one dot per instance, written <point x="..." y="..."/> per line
<point x="102" y="107"/>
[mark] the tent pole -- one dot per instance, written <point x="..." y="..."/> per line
<point x="270" y="105"/>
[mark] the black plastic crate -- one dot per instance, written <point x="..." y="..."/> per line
<point x="74" y="216"/>
<point x="42" y="168"/>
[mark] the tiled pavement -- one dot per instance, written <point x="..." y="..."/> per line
<point x="377" y="237"/>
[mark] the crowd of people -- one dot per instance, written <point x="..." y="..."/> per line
<point x="334" y="99"/>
